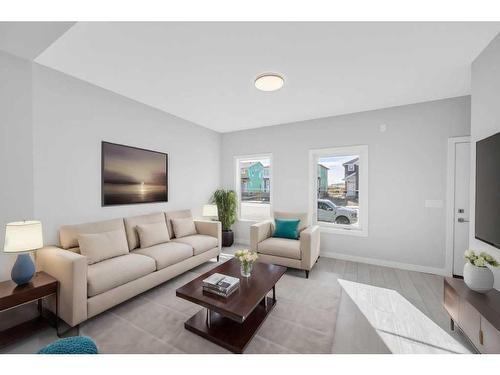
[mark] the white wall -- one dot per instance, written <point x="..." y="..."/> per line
<point x="71" y="118"/>
<point x="407" y="165"/>
<point x="16" y="149"/>
<point x="485" y="116"/>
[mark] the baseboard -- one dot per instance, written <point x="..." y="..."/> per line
<point x="385" y="263"/>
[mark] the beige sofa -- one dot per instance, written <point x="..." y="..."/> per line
<point x="301" y="254"/>
<point x="89" y="289"/>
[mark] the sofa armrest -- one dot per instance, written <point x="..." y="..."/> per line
<point x="259" y="232"/>
<point x="70" y="269"/>
<point x="210" y="228"/>
<point x="309" y="246"/>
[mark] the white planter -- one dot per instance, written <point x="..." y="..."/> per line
<point x="479" y="279"/>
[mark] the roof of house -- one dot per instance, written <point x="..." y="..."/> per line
<point x="321" y="165"/>
<point x="247" y="164"/>
<point x="353" y="174"/>
<point x="351" y="161"/>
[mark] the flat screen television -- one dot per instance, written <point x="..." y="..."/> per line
<point x="488" y="190"/>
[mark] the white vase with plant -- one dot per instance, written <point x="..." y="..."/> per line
<point x="477" y="275"/>
<point x="247" y="259"/>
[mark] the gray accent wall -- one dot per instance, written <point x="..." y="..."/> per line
<point x="51" y="128"/>
<point x="407" y="166"/>
<point x="72" y="117"/>
<point x="485" y="122"/>
<point x="16" y="148"/>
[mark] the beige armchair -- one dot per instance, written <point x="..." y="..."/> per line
<point x="301" y="254"/>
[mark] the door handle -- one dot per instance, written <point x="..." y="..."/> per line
<point x="462" y="220"/>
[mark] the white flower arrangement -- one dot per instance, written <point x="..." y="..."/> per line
<point x="481" y="260"/>
<point x="246" y="256"/>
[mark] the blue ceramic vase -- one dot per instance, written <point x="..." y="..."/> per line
<point x="23" y="269"/>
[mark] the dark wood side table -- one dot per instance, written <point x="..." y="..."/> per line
<point x="11" y="295"/>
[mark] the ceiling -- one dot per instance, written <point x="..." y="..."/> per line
<point x="29" y="39"/>
<point x="204" y="72"/>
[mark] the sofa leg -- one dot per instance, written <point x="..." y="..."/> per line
<point x="307" y="274"/>
<point x="69" y="331"/>
<point x="317" y="259"/>
<point x="218" y="257"/>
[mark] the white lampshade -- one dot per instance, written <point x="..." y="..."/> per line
<point x="210" y="210"/>
<point x="23" y="236"/>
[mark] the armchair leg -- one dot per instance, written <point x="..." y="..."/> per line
<point x="307" y="274"/>
<point x="218" y="257"/>
<point x="317" y="259"/>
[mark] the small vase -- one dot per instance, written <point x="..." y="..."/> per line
<point x="246" y="269"/>
<point x="479" y="279"/>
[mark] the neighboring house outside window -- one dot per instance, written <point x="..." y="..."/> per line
<point x="338" y="189"/>
<point x="253" y="186"/>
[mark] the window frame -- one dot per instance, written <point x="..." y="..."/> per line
<point x="237" y="182"/>
<point x="314" y="155"/>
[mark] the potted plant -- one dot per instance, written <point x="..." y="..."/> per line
<point x="477" y="275"/>
<point x="226" y="207"/>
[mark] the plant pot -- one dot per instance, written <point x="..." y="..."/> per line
<point x="227" y="238"/>
<point x="479" y="279"/>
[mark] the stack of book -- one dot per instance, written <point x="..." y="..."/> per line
<point x="220" y="284"/>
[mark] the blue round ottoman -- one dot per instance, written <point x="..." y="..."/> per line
<point x="71" y="345"/>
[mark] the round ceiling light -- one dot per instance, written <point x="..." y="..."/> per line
<point x="269" y="82"/>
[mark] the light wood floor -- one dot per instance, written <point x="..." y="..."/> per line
<point x="422" y="290"/>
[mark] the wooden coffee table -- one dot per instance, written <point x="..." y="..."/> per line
<point x="232" y="322"/>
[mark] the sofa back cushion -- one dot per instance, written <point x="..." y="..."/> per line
<point x="131" y="224"/>
<point x="302" y="216"/>
<point x="175" y="215"/>
<point x="152" y="234"/>
<point x="101" y="246"/>
<point x="183" y="226"/>
<point x="68" y="234"/>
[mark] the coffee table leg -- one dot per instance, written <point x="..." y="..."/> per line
<point x="274" y="293"/>
<point x="209" y="318"/>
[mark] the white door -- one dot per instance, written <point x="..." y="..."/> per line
<point x="461" y="206"/>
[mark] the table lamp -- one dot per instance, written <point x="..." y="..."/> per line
<point x="210" y="210"/>
<point x="23" y="237"/>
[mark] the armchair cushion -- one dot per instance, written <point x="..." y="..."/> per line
<point x="286" y="228"/>
<point x="302" y="216"/>
<point x="280" y="247"/>
<point x="199" y="242"/>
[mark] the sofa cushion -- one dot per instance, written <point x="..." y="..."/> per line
<point x="110" y="273"/>
<point x="174" y="215"/>
<point x="132" y="222"/>
<point x="280" y="247"/>
<point x="199" y="242"/>
<point x="152" y="234"/>
<point x="183" y="227"/>
<point x="68" y="234"/>
<point x="100" y="246"/>
<point x="166" y="254"/>
<point x="302" y="216"/>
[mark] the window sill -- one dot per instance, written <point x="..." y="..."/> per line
<point x="343" y="231"/>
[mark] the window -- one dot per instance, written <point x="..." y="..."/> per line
<point x="338" y="191"/>
<point x="253" y="186"/>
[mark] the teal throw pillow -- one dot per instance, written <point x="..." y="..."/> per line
<point x="286" y="228"/>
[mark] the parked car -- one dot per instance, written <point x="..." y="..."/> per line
<point x="330" y="212"/>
